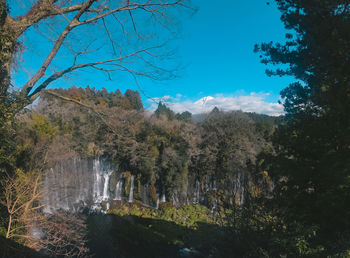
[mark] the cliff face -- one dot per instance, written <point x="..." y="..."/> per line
<point x="78" y="184"/>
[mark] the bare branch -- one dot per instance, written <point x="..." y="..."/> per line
<point x="59" y="74"/>
<point x="90" y="12"/>
<point x="41" y="10"/>
<point x="29" y="85"/>
<point x="60" y="234"/>
<point x="109" y="35"/>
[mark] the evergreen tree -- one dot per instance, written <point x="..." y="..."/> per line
<point x="184" y="116"/>
<point x="164" y="110"/>
<point x="134" y="99"/>
<point x="313" y="141"/>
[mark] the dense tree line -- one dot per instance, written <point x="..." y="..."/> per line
<point x="166" y="151"/>
<point x="164" y="148"/>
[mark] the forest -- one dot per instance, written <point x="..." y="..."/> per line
<point x="91" y="172"/>
<point x="211" y="162"/>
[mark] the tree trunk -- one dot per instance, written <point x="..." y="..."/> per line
<point x="8" y="45"/>
<point x="9" y="227"/>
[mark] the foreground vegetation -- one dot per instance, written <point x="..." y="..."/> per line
<point x="306" y="158"/>
<point x="164" y="151"/>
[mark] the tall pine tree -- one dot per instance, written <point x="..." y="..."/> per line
<point x="313" y="143"/>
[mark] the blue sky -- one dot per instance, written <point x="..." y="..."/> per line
<point x="215" y="50"/>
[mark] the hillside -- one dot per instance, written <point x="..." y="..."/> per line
<point x="171" y="157"/>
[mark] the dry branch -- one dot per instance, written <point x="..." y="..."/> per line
<point x="87" y="13"/>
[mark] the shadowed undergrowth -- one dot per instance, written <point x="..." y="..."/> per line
<point x="133" y="236"/>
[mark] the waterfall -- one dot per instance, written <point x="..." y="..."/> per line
<point x="207" y="187"/>
<point x="97" y="181"/>
<point x="242" y="196"/>
<point x="131" y="193"/>
<point x="238" y="188"/>
<point x="106" y="176"/>
<point x="271" y="188"/>
<point x="157" y="205"/>
<point x="175" y="199"/>
<point x="214" y="186"/>
<point x="78" y="183"/>
<point x="118" y="190"/>
<point x="102" y="176"/>
<point x="83" y="184"/>
<point x="215" y="206"/>
<point x="162" y="199"/>
<point x="46" y="198"/>
<point x="196" y="193"/>
<point x="75" y="183"/>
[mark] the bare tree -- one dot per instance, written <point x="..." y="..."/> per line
<point x="21" y="194"/>
<point x="57" y="233"/>
<point x="105" y="35"/>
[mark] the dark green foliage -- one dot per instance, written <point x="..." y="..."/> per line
<point x="9" y="101"/>
<point x="8" y="47"/>
<point x="265" y="124"/>
<point x="91" y="96"/>
<point x="10" y="248"/>
<point x="313" y="141"/>
<point x="134" y="236"/>
<point x="164" y="110"/>
<point x="230" y="141"/>
<point x="184" y="116"/>
<point x="134" y="98"/>
<point x="164" y="232"/>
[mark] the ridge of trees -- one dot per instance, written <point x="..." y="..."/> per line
<point x="135" y="134"/>
<point x="94" y="97"/>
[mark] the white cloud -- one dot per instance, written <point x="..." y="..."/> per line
<point x="255" y="102"/>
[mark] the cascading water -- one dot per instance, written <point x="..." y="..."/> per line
<point x="162" y="199"/>
<point x="131" y="193"/>
<point x="196" y="193"/>
<point x="157" y="204"/>
<point x="215" y="206"/>
<point x="118" y="190"/>
<point x="271" y="188"/>
<point x="63" y="184"/>
<point x="46" y="198"/>
<point x="102" y="174"/>
<point x="238" y="188"/>
<point x="97" y="182"/>
<point x="214" y="186"/>
<point x="77" y="183"/>
<point x="175" y="199"/>
<point x="242" y="196"/>
<point x="106" y="177"/>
